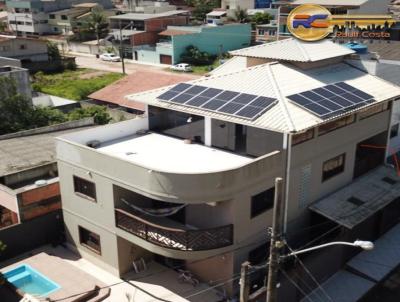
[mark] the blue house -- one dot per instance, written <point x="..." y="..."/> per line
<point x="212" y="39"/>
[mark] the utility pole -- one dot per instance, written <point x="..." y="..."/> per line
<point x="121" y="52"/>
<point x="244" y="282"/>
<point x="276" y="241"/>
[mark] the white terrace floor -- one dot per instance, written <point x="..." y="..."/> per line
<point x="75" y="274"/>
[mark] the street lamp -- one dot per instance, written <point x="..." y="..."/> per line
<point x="365" y="245"/>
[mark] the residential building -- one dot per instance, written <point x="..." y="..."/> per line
<point x="140" y="29"/>
<point x="114" y="95"/>
<point x="215" y="40"/>
<point x="147" y="7"/>
<point x="31" y="17"/>
<point x="29" y="184"/>
<point x="20" y="77"/>
<point x="66" y="21"/>
<point x="24" y="49"/>
<point x="212" y="147"/>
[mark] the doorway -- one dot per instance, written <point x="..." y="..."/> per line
<point x="240" y="138"/>
<point x="370" y="154"/>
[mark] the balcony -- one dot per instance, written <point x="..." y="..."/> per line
<point x="183" y="239"/>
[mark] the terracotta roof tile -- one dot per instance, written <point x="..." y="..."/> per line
<point x="137" y="82"/>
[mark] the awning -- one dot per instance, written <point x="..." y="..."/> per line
<point x="341" y="287"/>
<point x="361" y="199"/>
<point x="384" y="258"/>
<point x="216" y="13"/>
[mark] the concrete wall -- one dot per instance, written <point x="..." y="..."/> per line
<point x="9" y="62"/>
<point x="34" y="50"/>
<point x="213" y="39"/>
<point x="148" y="56"/>
<point x="21" y="78"/>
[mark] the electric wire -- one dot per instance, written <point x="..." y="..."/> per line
<point x="295" y="285"/>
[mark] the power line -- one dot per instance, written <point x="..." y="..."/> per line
<point x="295" y="285"/>
<point x="309" y="273"/>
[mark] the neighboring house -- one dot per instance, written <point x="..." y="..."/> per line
<point x="67" y="20"/>
<point x="140" y="190"/>
<point x="47" y="100"/>
<point x="215" y="40"/>
<point x="114" y="95"/>
<point x="148" y="7"/>
<point x="142" y="29"/>
<point x="24" y="49"/>
<point x="21" y="78"/>
<point x="32" y="17"/>
<point x="3" y="20"/>
<point x="29" y="185"/>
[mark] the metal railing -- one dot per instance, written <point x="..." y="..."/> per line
<point x="174" y="238"/>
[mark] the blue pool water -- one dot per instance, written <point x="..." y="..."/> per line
<point x="30" y="281"/>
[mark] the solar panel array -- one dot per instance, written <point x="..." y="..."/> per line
<point x="332" y="100"/>
<point x="221" y="101"/>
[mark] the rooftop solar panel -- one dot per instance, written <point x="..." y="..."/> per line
<point x="223" y="101"/>
<point x="331" y="100"/>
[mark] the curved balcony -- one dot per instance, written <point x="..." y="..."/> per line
<point x="183" y="239"/>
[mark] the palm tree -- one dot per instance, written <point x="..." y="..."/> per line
<point x="241" y="15"/>
<point x="97" y="23"/>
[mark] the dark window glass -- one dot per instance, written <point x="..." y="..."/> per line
<point x="302" y="137"/>
<point x="51" y="16"/>
<point x="64" y="17"/>
<point x="90" y="240"/>
<point x="177" y="124"/>
<point x="333" y="167"/>
<point x="262" y="202"/>
<point x="394" y="131"/>
<point x="85" y="188"/>
<point x="336" y="124"/>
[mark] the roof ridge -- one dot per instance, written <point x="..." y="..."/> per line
<point x="281" y="100"/>
<point x="302" y="50"/>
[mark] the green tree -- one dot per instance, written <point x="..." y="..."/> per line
<point x="53" y="51"/>
<point x="98" y="23"/>
<point x="99" y="113"/>
<point x="194" y="56"/>
<point x="202" y="7"/>
<point x="261" y="18"/>
<point x="241" y="15"/>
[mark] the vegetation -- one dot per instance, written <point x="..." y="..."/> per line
<point x="202" y="7"/>
<point x="53" y="51"/>
<point x="17" y="113"/>
<point x="96" y="27"/>
<point x="241" y="15"/>
<point x="260" y="18"/>
<point x="74" y="85"/>
<point x="2" y="248"/>
<point x="194" y="56"/>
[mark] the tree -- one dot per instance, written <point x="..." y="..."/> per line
<point x="194" y="56"/>
<point x="241" y="15"/>
<point x="202" y="7"/>
<point x="261" y="18"/>
<point x="97" y="23"/>
<point x="53" y="51"/>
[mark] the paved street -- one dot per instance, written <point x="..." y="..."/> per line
<point x="94" y="63"/>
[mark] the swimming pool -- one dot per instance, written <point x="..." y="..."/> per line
<point x="30" y="281"/>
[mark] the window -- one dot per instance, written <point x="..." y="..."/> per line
<point x="64" y="17"/>
<point x="22" y="46"/>
<point x="51" y="16"/>
<point x="44" y="21"/>
<point x="4" y="48"/>
<point x="342" y="122"/>
<point x="85" y="188"/>
<point x="262" y="202"/>
<point x="333" y="167"/>
<point x="394" y="131"/>
<point x="261" y="32"/>
<point x="89" y="240"/>
<point x="28" y="23"/>
<point x="302" y="137"/>
<point x="374" y="110"/>
<point x="55" y="29"/>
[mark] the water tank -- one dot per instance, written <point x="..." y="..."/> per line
<point x="357" y="47"/>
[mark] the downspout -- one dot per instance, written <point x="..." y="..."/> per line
<point x="287" y="145"/>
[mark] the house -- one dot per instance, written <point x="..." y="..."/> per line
<point x="20" y="77"/>
<point x="68" y="20"/>
<point x="213" y="147"/>
<point x="24" y="49"/>
<point x="215" y="40"/>
<point x="32" y="17"/>
<point x="114" y="95"/>
<point x="140" y="29"/>
<point x="29" y="184"/>
<point x="147" y="7"/>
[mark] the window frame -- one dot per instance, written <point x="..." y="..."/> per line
<point x="340" y="168"/>
<point x="257" y="211"/>
<point x="83" y="243"/>
<point x="373" y="110"/>
<point x="81" y="194"/>
<point x="306" y="138"/>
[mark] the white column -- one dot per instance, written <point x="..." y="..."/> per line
<point x="207" y="131"/>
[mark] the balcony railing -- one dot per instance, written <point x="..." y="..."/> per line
<point x="174" y="238"/>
